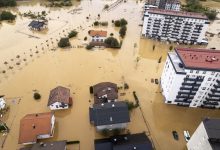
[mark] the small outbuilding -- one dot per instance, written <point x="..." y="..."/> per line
<point x="38" y="25"/>
<point x="59" y="98"/>
<point x="2" y="102"/>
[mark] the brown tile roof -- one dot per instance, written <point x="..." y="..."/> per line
<point x="199" y="58"/>
<point x="177" y="13"/>
<point x="105" y="89"/>
<point x="59" y="94"/>
<point x="98" y="33"/>
<point x="33" y="125"/>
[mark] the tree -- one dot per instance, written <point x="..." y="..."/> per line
<point x="64" y="42"/>
<point x="123" y="22"/>
<point x="211" y="14"/>
<point x="122" y="31"/>
<point x="6" y="15"/>
<point x="112" y="42"/>
<point x="72" y="34"/>
<point x="4" y="3"/>
<point x="117" y="23"/>
<point x="88" y="47"/>
<point x="154" y="47"/>
<point x="96" y="23"/>
<point x="37" y="96"/>
<point x="106" y="6"/>
<point x="159" y="60"/>
<point x="171" y="47"/>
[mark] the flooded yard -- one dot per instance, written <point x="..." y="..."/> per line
<point x="78" y="68"/>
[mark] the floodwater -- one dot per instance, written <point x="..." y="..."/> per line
<point x="78" y="68"/>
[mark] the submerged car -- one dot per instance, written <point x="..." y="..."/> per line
<point x="186" y="135"/>
<point x="175" y="135"/>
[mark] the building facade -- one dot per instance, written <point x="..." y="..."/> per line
<point x="191" y="77"/>
<point x="176" y="26"/>
<point x="165" y="4"/>
<point x="206" y="136"/>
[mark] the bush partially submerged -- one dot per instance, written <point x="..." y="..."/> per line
<point x="122" y="31"/>
<point x="88" y="47"/>
<point x="6" y="15"/>
<point x="37" y="96"/>
<point x="72" y="34"/>
<point x="64" y="42"/>
<point x="121" y="22"/>
<point x="112" y="42"/>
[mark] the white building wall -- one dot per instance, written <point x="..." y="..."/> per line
<point x="199" y="139"/>
<point x="113" y="126"/>
<point x="56" y="106"/>
<point x="98" y="39"/>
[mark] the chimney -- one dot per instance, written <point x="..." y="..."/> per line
<point x="33" y="126"/>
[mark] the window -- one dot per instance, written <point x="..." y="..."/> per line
<point x="197" y="71"/>
<point x="191" y="71"/>
<point x="204" y="72"/>
<point x="212" y="73"/>
<point x="209" y="79"/>
<point x="203" y="88"/>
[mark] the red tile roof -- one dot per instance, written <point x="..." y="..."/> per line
<point x="33" y="125"/>
<point x="177" y="13"/>
<point x="98" y="33"/>
<point x="200" y="58"/>
<point x="59" y="94"/>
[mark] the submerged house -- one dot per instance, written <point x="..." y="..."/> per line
<point x="97" y="37"/>
<point x="105" y="92"/>
<point x="38" y="25"/>
<point x="59" y="98"/>
<point x="55" y="145"/>
<point x="112" y="115"/>
<point x="138" y="141"/>
<point x="36" y="126"/>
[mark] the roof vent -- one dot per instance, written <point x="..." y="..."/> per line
<point x="115" y="140"/>
<point x="180" y="65"/>
<point x="111" y="119"/>
<point x="102" y="104"/>
<point x="126" y="138"/>
<point x="113" y="105"/>
<point x="33" y="126"/>
<point x="135" y="148"/>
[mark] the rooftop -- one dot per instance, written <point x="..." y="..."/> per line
<point x="212" y="127"/>
<point x="177" y="64"/>
<point x="105" y="91"/>
<point x="33" y="125"/>
<point x="203" y="59"/>
<point x="177" y="13"/>
<point x="59" y="94"/>
<point x="37" y="24"/>
<point x="109" y="113"/>
<point x="124" y="142"/>
<point x="98" y="33"/>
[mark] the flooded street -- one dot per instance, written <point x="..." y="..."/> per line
<point x="78" y="68"/>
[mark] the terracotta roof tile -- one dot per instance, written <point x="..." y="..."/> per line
<point x="98" y="33"/>
<point x="33" y="125"/>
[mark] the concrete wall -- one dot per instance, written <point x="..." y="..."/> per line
<point x="113" y="126"/>
<point x="199" y="140"/>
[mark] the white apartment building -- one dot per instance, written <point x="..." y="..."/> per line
<point x="191" y="77"/>
<point x="176" y="26"/>
<point x="164" y="4"/>
<point x="206" y="136"/>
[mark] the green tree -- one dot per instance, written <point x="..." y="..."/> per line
<point x="112" y="42"/>
<point x="37" y="96"/>
<point x="4" y="3"/>
<point x="123" y="22"/>
<point x="73" y="34"/>
<point x="64" y="42"/>
<point x="96" y="23"/>
<point x="117" y="23"/>
<point x="171" y="47"/>
<point x="6" y="15"/>
<point x="122" y="31"/>
<point x="159" y="60"/>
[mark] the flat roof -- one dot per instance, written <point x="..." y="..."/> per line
<point x="177" y="13"/>
<point x="33" y="125"/>
<point x="201" y="59"/>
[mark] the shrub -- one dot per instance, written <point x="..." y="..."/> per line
<point x="131" y="105"/>
<point x="123" y="22"/>
<point x="105" y="132"/>
<point x="112" y="42"/>
<point x="64" y="42"/>
<point x="72" y="34"/>
<point x="88" y="47"/>
<point x="111" y="34"/>
<point x="106" y="6"/>
<point x="96" y="23"/>
<point x="122" y="31"/>
<point x="117" y="23"/>
<point x="37" y="96"/>
<point x="4" y="3"/>
<point x="211" y="14"/>
<point x="85" y="38"/>
<point x="104" y="23"/>
<point x="6" y="15"/>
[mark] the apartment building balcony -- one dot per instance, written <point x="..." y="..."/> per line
<point x="215" y="91"/>
<point x="213" y="99"/>
<point x="216" y="86"/>
<point x="185" y="101"/>
<point x="184" y="96"/>
<point x="183" y="104"/>
<point x="213" y="95"/>
<point x="208" y="106"/>
<point x="210" y="103"/>
<point x="218" y="81"/>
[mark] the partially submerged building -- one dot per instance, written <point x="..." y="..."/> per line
<point x="2" y="102"/>
<point x="59" y="98"/>
<point x="38" y="25"/>
<point x="137" y="141"/>
<point x="105" y="92"/>
<point x="191" y="77"/>
<point x="97" y="37"/>
<point x="164" y="4"/>
<point x="55" y="145"/>
<point x="36" y="126"/>
<point x="176" y="26"/>
<point x="206" y="136"/>
<point x="112" y="115"/>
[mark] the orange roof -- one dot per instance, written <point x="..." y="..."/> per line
<point x="200" y="58"/>
<point x="98" y="33"/>
<point x="33" y="125"/>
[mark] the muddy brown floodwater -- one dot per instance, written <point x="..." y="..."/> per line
<point x="77" y="69"/>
